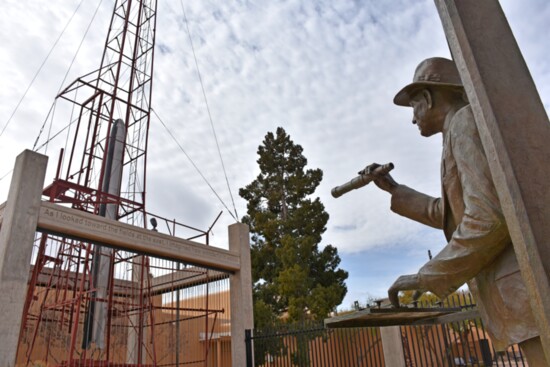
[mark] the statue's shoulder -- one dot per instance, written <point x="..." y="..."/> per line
<point x="463" y="122"/>
<point x="465" y="114"/>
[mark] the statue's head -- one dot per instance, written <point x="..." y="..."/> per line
<point x="436" y="72"/>
<point x="435" y="92"/>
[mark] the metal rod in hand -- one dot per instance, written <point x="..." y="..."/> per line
<point x="361" y="180"/>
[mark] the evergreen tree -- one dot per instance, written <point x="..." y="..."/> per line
<point x="291" y="275"/>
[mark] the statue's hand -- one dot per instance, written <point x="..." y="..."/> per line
<point x="384" y="182"/>
<point x="404" y="283"/>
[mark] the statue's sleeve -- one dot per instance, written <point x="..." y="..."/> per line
<point x="482" y="234"/>
<point x="417" y="206"/>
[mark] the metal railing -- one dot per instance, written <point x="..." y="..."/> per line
<point x="458" y="343"/>
<point x="311" y="344"/>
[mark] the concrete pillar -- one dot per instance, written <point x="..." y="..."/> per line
<point x="392" y="346"/>
<point x="240" y="293"/>
<point x="16" y="243"/>
<point x="515" y="132"/>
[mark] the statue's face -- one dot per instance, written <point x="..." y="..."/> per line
<point x="425" y="115"/>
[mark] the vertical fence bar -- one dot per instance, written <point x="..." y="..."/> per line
<point x="449" y="353"/>
<point x="439" y="336"/>
<point x="378" y="351"/>
<point x="312" y="343"/>
<point x="425" y="348"/>
<point x="428" y="330"/>
<point x="366" y="344"/>
<point x="317" y="346"/>
<point x="248" y="342"/>
<point x="333" y="335"/>
<point x="373" y="336"/>
<point x="363" y="346"/>
<point x="412" y="344"/>
<point x="415" y="345"/>
<point x="346" y="346"/>
<point x="342" y="347"/>
<point x="291" y="348"/>
<point x="323" y="345"/>
<point x="405" y="343"/>
<point x="438" y="350"/>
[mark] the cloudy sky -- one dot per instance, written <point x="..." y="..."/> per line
<point x="324" y="70"/>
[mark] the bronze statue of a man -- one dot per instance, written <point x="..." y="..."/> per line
<point x="479" y="249"/>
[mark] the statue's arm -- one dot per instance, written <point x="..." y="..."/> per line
<point x="417" y="206"/>
<point x="482" y="234"/>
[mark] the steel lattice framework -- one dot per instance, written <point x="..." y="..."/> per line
<point x="120" y="89"/>
<point x="72" y="280"/>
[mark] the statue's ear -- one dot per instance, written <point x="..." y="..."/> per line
<point x="428" y="97"/>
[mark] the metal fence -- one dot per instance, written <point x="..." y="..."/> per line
<point x="461" y="343"/>
<point x="311" y="344"/>
<point x="157" y="312"/>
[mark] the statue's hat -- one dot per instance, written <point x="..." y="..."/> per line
<point x="433" y="72"/>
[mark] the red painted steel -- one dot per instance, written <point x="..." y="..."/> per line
<point x="62" y="285"/>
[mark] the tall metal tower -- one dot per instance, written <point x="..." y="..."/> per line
<point x="102" y="172"/>
<point x="120" y="89"/>
<point x="89" y="305"/>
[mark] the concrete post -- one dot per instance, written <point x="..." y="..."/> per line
<point x="16" y="243"/>
<point x="515" y="132"/>
<point x="392" y="346"/>
<point x="240" y="293"/>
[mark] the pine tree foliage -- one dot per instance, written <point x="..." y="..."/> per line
<point x="292" y="276"/>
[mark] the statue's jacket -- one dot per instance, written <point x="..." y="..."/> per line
<point x="479" y="249"/>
